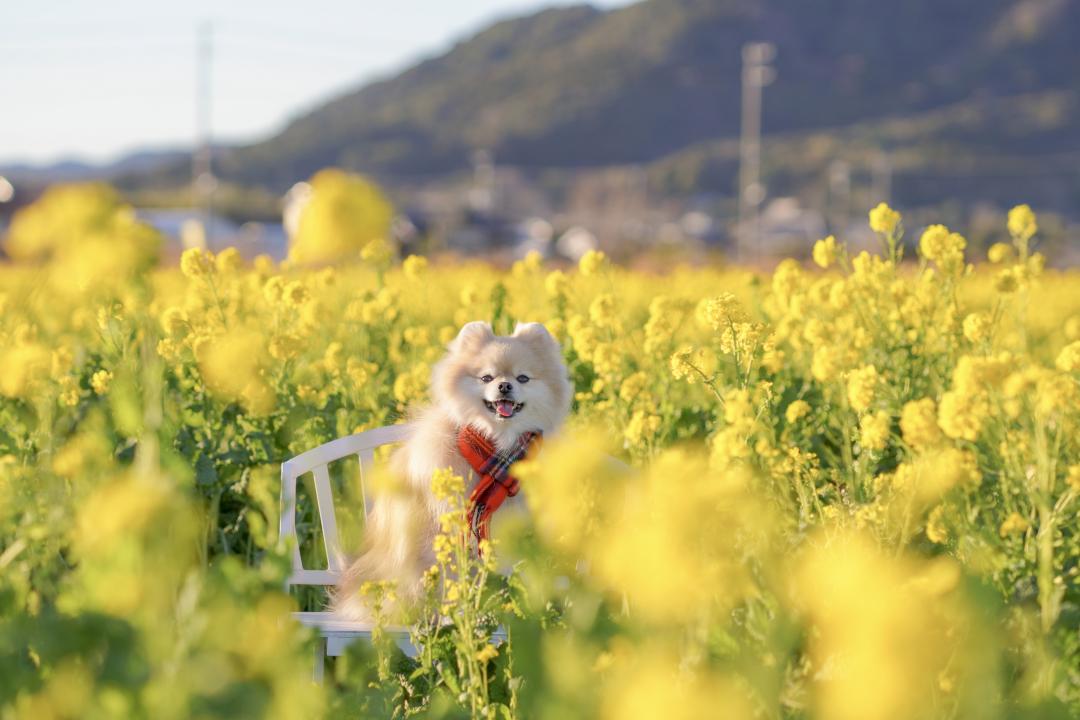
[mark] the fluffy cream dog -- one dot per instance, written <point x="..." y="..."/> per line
<point x="502" y="387"/>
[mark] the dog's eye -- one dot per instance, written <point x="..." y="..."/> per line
<point x="523" y="379"/>
<point x="486" y="378"/>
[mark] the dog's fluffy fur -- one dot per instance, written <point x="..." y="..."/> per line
<point x="402" y="525"/>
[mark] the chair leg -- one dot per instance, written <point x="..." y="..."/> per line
<point x="320" y="661"/>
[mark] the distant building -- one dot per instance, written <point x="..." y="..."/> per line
<point x="182" y="227"/>
<point x="575" y="242"/>
<point x="294" y="202"/>
<point x="787" y="228"/>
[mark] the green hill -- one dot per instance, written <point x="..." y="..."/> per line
<point x="991" y="84"/>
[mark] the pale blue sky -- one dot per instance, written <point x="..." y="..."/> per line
<point x="94" y="79"/>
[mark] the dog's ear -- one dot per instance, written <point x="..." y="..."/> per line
<point x="538" y="335"/>
<point x="471" y="336"/>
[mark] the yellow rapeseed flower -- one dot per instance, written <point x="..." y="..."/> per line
<point x="787" y="282"/>
<point x="602" y="310"/>
<point x="273" y="288"/>
<point x="825" y="364"/>
<point x="1014" y="524"/>
<point x="295" y="294"/>
<point x="1072" y="478"/>
<point x="377" y="251"/>
<point x="567" y="486"/>
<point x="1022" y="223"/>
<point x="936" y="530"/>
<point x="681" y="367"/>
<point x="414" y="266"/>
<point x="952" y="467"/>
<point x="670" y="562"/>
<point x="738" y="407"/>
<point x="344" y="214"/>
<point x="412" y="385"/>
<point x="874" y="431"/>
<point x="21" y="367"/>
<point x="882" y="628"/>
<point x="974" y="374"/>
<point x="470" y="294"/>
<point x="654" y="683"/>
<point x="419" y="336"/>
<point x="1068" y="360"/>
<point x="232" y="368"/>
<point x="825" y="251"/>
<point x="999" y="252"/>
<point x="263" y="264"/>
<point x="486" y="653"/>
<point x="61" y="361"/>
<point x="797" y="410"/>
<point x="961" y="415"/>
<point x="633" y="386"/>
<point x="1007" y="281"/>
<point x="447" y="485"/>
<point x="174" y="322"/>
<point x="556" y="283"/>
<point x="642" y="427"/>
<point x="69" y="391"/>
<point x="869" y="270"/>
<point x="1055" y="392"/>
<point x="592" y="262"/>
<point x="918" y="423"/>
<point x="944" y="247"/>
<point x="100" y="381"/>
<point x="977" y="327"/>
<point x="860" y="388"/>
<point x="606" y="358"/>
<point x="228" y="261"/>
<point x="196" y="262"/>
<point x="883" y="219"/>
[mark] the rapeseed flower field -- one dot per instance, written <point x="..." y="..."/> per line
<point x="849" y="488"/>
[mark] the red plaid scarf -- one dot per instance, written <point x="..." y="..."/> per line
<point x="493" y="468"/>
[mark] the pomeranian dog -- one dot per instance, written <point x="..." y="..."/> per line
<point x="493" y="398"/>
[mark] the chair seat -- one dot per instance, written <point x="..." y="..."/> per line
<point x="331" y="623"/>
<point x="328" y="623"/>
<point x="340" y="633"/>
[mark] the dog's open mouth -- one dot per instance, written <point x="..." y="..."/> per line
<point x="504" y="408"/>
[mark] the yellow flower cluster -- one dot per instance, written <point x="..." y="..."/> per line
<point x="884" y="220"/>
<point x="853" y="458"/>
<point x="825" y="252"/>
<point x="918" y="423"/>
<point x="860" y="389"/>
<point x="1022" y="223"/>
<point x="874" y="431"/>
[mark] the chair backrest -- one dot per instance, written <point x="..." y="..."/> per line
<point x="317" y="462"/>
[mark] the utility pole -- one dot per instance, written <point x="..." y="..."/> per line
<point x="756" y="74"/>
<point x="202" y="172"/>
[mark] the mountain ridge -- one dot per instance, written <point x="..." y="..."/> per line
<point x="581" y="87"/>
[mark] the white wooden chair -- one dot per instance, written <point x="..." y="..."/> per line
<point x="335" y="633"/>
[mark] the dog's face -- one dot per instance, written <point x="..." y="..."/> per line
<point x="504" y="385"/>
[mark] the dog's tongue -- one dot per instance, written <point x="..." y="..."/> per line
<point x="505" y="408"/>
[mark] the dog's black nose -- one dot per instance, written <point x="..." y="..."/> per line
<point x="506" y="388"/>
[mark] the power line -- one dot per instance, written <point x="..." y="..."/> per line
<point x="110" y="52"/>
<point x="202" y="171"/>
<point x="316" y="34"/>
<point x="108" y="33"/>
